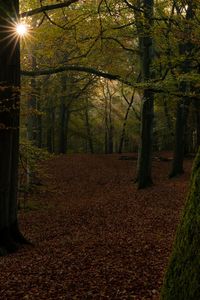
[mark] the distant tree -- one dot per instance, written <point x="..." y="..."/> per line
<point x="130" y="102"/>
<point x="109" y="128"/>
<point x="89" y="136"/>
<point x="32" y="119"/>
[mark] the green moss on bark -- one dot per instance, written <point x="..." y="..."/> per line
<point x="182" y="279"/>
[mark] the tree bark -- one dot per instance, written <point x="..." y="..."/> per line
<point x="182" y="276"/>
<point x="9" y="129"/>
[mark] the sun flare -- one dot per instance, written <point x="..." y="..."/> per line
<point x="21" y="29"/>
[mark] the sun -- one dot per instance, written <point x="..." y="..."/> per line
<point x="21" y="29"/>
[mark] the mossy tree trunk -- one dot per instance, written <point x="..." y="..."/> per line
<point x="182" y="279"/>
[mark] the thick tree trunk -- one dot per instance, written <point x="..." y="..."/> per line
<point x="9" y="129"/>
<point x="183" y="272"/>
<point x="183" y="105"/>
<point x="145" y="149"/>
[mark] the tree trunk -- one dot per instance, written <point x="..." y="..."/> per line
<point x="106" y="127"/>
<point x="64" y="126"/>
<point x="121" y="142"/>
<point x="9" y="129"/>
<point x="180" y="134"/>
<point x="39" y="125"/>
<point x="145" y="152"/>
<point x="183" y="105"/>
<point x="110" y="128"/>
<point x="197" y="112"/>
<point x="65" y="103"/>
<point x="50" y="130"/>
<point x="145" y="149"/>
<point x="168" y="118"/>
<point x="88" y="128"/>
<point x="32" y="121"/>
<point x="183" y="272"/>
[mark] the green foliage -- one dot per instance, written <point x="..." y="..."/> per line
<point x="30" y="159"/>
<point x="105" y="35"/>
<point x="182" y="279"/>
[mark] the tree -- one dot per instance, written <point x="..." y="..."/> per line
<point x="10" y="235"/>
<point x="89" y="139"/>
<point x="183" y="272"/>
<point x="146" y="48"/>
<point x="130" y="103"/>
<point x="185" y="49"/>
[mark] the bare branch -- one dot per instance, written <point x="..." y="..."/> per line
<point x="45" y="8"/>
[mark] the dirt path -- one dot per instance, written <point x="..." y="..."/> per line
<point x="96" y="236"/>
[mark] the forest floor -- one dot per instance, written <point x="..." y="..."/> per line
<point x="95" y="235"/>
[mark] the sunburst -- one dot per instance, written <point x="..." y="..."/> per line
<point x="21" y="29"/>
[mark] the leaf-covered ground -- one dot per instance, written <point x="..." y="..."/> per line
<point x="95" y="235"/>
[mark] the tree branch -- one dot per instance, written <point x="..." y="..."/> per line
<point x="132" y="6"/>
<point x="45" y="8"/>
<point x="76" y="68"/>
